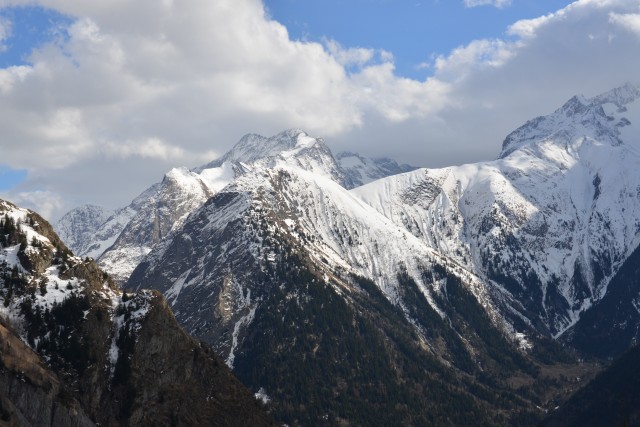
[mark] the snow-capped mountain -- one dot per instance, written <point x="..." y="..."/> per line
<point x="336" y="231"/>
<point x="361" y="170"/>
<point x="151" y="217"/>
<point x="549" y="222"/>
<point x="95" y="355"/>
<point x="416" y="281"/>
<point x="285" y="265"/>
<point x="120" y="242"/>
<point x="78" y="226"/>
<point x="291" y="147"/>
<point x="467" y="266"/>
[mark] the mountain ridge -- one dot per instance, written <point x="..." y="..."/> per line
<point x="103" y="356"/>
<point x="473" y="270"/>
<point x="124" y="239"/>
<point x="547" y="221"/>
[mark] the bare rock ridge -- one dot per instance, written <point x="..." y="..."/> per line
<point x="80" y="352"/>
<point x="30" y="393"/>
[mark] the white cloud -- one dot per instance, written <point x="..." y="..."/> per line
<point x="12" y="75"/>
<point x="350" y="56"/>
<point x="496" y="3"/>
<point x="476" y="55"/>
<point x="46" y="203"/>
<point x="141" y="95"/>
<point x="150" y="148"/>
<point x="630" y="21"/>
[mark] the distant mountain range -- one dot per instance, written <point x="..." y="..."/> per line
<point x="348" y="290"/>
<point x="120" y="240"/>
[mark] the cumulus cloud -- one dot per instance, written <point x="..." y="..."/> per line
<point x="477" y="55"/>
<point x="181" y="85"/>
<point x="630" y="21"/>
<point x="349" y="56"/>
<point x="496" y="3"/>
<point x="495" y="85"/>
<point x="150" y="148"/>
<point x="46" y="203"/>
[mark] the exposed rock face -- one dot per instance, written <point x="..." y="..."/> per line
<point x="78" y="227"/>
<point x="121" y="359"/>
<point x="180" y="192"/>
<point x="30" y="394"/>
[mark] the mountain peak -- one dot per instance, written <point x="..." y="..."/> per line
<point x="619" y="96"/>
<point x="253" y="147"/>
<point x="578" y="117"/>
<point x="293" y="147"/>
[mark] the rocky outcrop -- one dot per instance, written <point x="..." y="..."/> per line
<point x="174" y="377"/>
<point x="112" y="358"/>
<point x="30" y="394"/>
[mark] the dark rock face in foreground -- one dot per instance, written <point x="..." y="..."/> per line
<point x="30" y="394"/>
<point x="96" y="356"/>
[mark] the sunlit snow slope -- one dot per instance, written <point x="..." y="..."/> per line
<point x="549" y="222"/>
<point x="120" y="241"/>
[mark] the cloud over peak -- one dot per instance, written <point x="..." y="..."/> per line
<point x="184" y="83"/>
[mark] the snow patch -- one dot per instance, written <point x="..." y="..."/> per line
<point x="262" y="396"/>
<point x="244" y="321"/>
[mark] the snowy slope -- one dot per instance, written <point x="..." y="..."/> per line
<point x="102" y="237"/>
<point x="165" y="206"/>
<point x="291" y="147"/>
<point x="152" y="216"/>
<point x="551" y="220"/>
<point x="79" y="225"/>
<point x="39" y="262"/>
<point x="122" y="241"/>
<point x="212" y="269"/>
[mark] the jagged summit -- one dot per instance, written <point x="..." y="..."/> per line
<point x="121" y="241"/>
<point x="253" y="147"/>
<point x="551" y="220"/>
<point x="293" y="147"/>
<point x="600" y="118"/>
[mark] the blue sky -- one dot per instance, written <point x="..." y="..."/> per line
<point x="98" y="99"/>
<point x="412" y="30"/>
<point x="9" y="178"/>
<point x="29" y="28"/>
